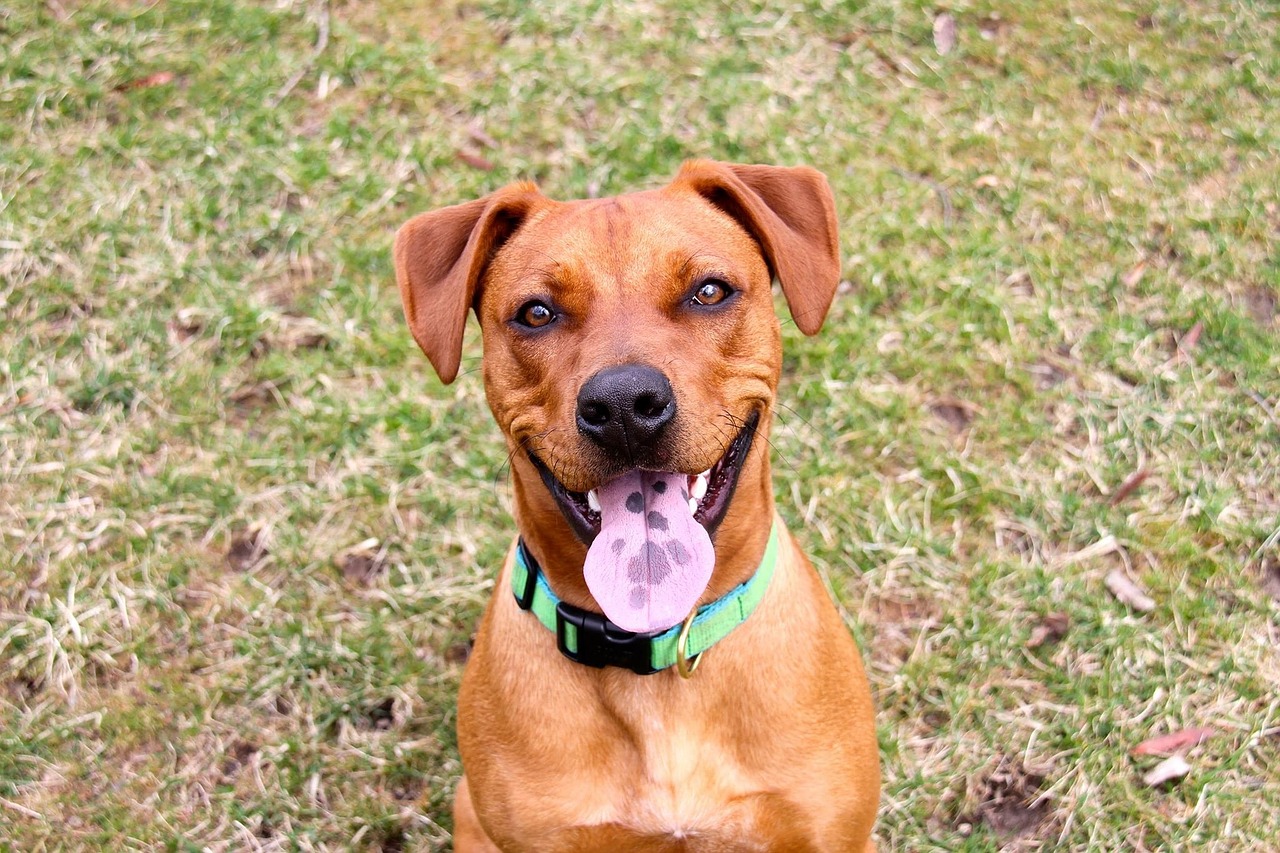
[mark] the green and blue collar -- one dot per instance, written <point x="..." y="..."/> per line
<point x="591" y="639"/>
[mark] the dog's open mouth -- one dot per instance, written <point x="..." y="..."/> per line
<point x="709" y="492"/>
<point x="649" y="532"/>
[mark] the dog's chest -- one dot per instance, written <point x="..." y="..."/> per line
<point x="691" y="790"/>
<point x="686" y="777"/>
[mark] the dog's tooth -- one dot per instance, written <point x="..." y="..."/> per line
<point x="693" y="506"/>
<point x="698" y="490"/>
<point x="593" y="500"/>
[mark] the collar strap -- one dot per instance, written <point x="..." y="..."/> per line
<point x="591" y="639"/>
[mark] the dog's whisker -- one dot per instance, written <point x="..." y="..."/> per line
<point x="795" y="412"/>
<point x="525" y="444"/>
<point x="755" y="431"/>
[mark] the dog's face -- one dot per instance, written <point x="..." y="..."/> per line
<point x="661" y="279"/>
<point x="631" y="352"/>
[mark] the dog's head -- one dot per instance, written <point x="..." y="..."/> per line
<point x="631" y="352"/>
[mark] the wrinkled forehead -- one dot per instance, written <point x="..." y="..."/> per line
<point x="628" y="239"/>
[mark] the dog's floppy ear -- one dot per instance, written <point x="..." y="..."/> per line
<point x="440" y="257"/>
<point x="792" y="215"/>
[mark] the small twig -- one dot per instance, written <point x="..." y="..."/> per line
<point x="1098" y="115"/>
<point x="1264" y="405"/>
<point x="1129" y="486"/>
<point x="879" y="54"/>
<point x="943" y="196"/>
<point x="22" y="810"/>
<point x="322" y="41"/>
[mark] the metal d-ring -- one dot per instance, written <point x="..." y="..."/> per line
<point x="684" y="665"/>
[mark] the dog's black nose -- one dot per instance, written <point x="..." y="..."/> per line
<point x="625" y="409"/>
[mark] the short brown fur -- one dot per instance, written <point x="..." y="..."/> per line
<point x="771" y="745"/>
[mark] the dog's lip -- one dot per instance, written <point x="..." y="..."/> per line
<point x="722" y="480"/>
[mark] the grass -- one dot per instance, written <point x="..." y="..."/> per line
<point x="245" y="534"/>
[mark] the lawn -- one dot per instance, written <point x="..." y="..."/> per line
<point x="245" y="534"/>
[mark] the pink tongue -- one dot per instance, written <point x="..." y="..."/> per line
<point x="651" y="560"/>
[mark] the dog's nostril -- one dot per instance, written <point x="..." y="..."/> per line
<point x="649" y="406"/>
<point x="596" y="414"/>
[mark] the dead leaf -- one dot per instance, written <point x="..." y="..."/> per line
<point x="1174" y="741"/>
<point x="1129" y="486"/>
<point x="1172" y="768"/>
<point x="1134" y="275"/>
<point x="475" y="161"/>
<point x="1188" y="341"/>
<point x="986" y="181"/>
<point x="248" y="547"/>
<point x="160" y="78"/>
<point x="1129" y="592"/>
<point x="944" y="33"/>
<point x="1051" y="630"/>
<point x="478" y="136"/>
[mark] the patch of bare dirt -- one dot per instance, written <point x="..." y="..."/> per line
<point x="248" y="548"/>
<point x="1263" y="305"/>
<point x="238" y="757"/>
<point x="1269" y="568"/>
<point x="379" y="717"/>
<point x="898" y="623"/>
<point x="1049" y="630"/>
<point x="1048" y="375"/>
<point x="459" y="653"/>
<point x="364" y="564"/>
<point x="1008" y="801"/>
<point x="956" y="414"/>
<point x="258" y="395"/>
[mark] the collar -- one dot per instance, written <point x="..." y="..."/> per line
<point x="591" y="639"/>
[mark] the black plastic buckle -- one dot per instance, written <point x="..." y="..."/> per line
<point x="602" y="643"/>
<point x="524" y="597"/>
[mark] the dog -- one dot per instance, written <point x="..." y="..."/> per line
<point x="660" y="667"/>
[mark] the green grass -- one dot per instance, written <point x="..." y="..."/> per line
<point x="202" y="351"/>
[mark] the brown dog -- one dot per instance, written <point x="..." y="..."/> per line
<point x="631" y="358"/>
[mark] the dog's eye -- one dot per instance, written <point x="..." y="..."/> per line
<point x="535" y="315"/>
<point x="711" y="292"/>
